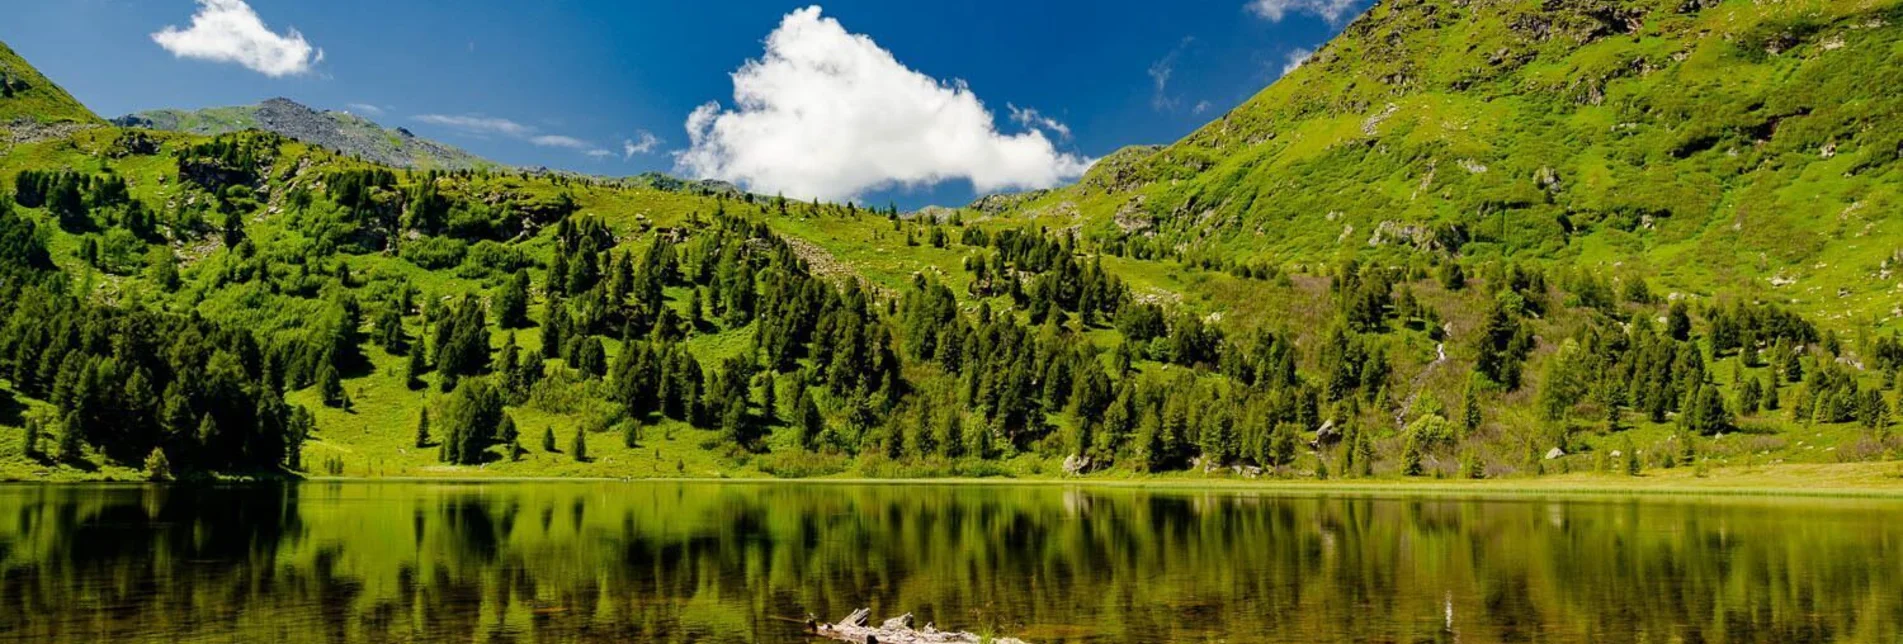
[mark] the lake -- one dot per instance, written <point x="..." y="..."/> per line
<point x="736" y="562"/>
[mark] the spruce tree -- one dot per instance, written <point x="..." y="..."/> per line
<point x="512" y="302"/>
<point x="1411" y="456"/>
<point x="578" y="450"/>
<point x="1470" y="418"/>
<point x="548" y="439"/>
<point x="330" y="386"/>
<point x="70" y="442"/>
<point x="414" y="370"/>
<point x="811" y="424"/>
<point x="422" y="429"/>
<point x="30" y="443"/>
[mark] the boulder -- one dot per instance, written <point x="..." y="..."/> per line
<point x="1327" y="434"/>
<point x="1076" y="464"/>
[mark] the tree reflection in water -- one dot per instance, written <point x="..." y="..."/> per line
<point x="681" y="562"/>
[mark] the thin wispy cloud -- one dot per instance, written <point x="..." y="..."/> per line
<point x="1160" y="73"/>
<point x="559" y="141"/>
<point x="644" y="143"/>
<point x="1333" y="11"/>
<point x="830" y="114"/>
<point x="479" y="125"/>
<point x="486" y="126"/>
<point x="365" y="109"/>
<point x="228" y="31"/>
<point x="1030" y="118"/>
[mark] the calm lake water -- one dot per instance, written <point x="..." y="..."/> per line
<point x="679" y="562"/>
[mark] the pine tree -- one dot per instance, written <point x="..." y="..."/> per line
<point x="330" y="387"/>
<point x="422" y="429"/>
<point x="506" y="432"/>
<point x="30" y="443"/>
<point x="413" y="372"/>
<point x="1364" y="454"/>
<point x="548" y="439"/>
<point x="512" y="302"/>
<point x="812" y="425"/>
<point x="1411" y="456"/>
<point x="579" y="449"/>
<point x="554" y="328"/>
<point x="1470" y="418"/>
<point x="158" y="468"/>
<point x="70" y="442"/>
<point x="1750" y="397"/>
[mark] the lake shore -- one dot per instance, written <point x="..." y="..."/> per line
<point x="1881" y="479"/>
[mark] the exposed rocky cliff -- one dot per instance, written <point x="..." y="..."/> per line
<point x="342" y="131"/>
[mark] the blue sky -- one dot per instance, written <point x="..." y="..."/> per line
<point x="549" y="82"/>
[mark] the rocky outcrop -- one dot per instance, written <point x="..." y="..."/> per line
<point x="342" y="132"/>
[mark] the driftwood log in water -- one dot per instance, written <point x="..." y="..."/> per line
<point x="897" y="630"/>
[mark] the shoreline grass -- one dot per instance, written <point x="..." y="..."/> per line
<point x="1847" y="480"/>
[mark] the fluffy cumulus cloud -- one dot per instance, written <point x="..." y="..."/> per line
<point x="830" y="114"/>
<point x="228" y="31"/>
<point x="1333" y="11"/>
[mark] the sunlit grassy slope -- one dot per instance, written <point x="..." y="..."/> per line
<point x="1718" y="150"/>
<point x="1742" y="146"/>
<point x="26" y="94"/>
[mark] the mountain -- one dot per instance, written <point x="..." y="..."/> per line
<point x="1711" y="143"/>
<point x="27" y="95"/>
<point x="1469" y="239"/>
<point x="340" y="131"/>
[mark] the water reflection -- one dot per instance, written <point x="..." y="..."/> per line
<point x="664" y="562"/>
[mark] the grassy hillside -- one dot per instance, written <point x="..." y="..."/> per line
<point x="341" y="131"/>
<point x="1734" y="146"/>
<point x="25" y="94"/>
<point x="249" y="303"/>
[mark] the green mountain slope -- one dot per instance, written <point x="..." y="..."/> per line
<point x="25" y="94"/>
<point x="250" y="303"/>
<point x="341" y="131"/>
<point x="1737" y="144"/>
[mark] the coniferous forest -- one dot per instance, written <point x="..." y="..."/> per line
<point x="248" y="304"/>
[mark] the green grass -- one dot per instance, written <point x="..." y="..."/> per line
<point x="1790" y="183"/>
<point x="34" y="97"/>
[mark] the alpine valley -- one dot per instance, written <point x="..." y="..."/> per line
<point x="1530" y="242"/>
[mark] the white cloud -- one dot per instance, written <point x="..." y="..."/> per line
<point x="228" y="31"/>
<point x="365" y="109"/>
<point x="829" y="114"/>
<point x="1031" y="119"/>
<point x="484" y="126"/>
<point x="1160" y="72"/>
<point x="642" y="144"/>
<point x="479" y="125"/>
<point x="1201" y="106"/>
<point x="559" y="141"/>
<point x="1295" y="59"/>
<point x="1332" y="11"/>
